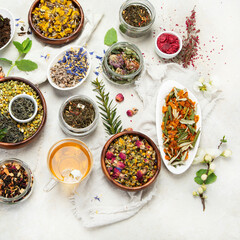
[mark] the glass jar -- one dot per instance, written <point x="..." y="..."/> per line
<point x="132" y="31"/>
<point x="78" y="132"/>
<point x="28" y="190"/>
<point x="120" y="79"/>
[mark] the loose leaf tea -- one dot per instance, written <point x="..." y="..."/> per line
<point x="5" y="30"/>
<point x="136" y="15"/>
<point x="13" y="179"/>
<point x="131" y="161"/>
<point x="79" y="113"/>
<point x="11" y="132"/>
<point x="110" y="37"/>
<point x="22" y="108"/>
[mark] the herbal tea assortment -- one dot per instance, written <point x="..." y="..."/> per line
<point x="130" y="160"/>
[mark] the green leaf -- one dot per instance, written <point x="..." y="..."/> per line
<point x="223" y="140"/>
<point x="198" y="180"/>
<point x="27" y="44"/>
<point x="6" y="60"/>
<point x="19" y="46"/>
<point x="211" y="178"/>
<point x="110" y="37"/>
<point x="26" y="65"/>
<point x="200" y="172"/>
<point x="3" y="133"/>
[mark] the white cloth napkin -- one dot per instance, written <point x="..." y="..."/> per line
<point x="97" y="202"/>
<point x="40" y="53"/>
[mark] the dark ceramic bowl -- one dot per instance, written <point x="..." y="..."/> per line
<point x="105" y="149"/>
<point x="60" y="41"/>
<point x="30" y="139"/>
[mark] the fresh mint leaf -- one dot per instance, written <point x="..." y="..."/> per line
<point x="6" y="60"/>
<point x="27" y="44"/>
<point x="200" y="172"/>
<point x="211" y="178"/>
<point x="19" y="46"/>
<point x="110" y="37"/>
<point x="26" y="65"/>
<point x="198" y="180"/>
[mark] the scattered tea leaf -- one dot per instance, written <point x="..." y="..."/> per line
<point x="110" y="37"/>
<point x="26" y="65"/>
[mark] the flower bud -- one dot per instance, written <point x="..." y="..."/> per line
<point x="204" y="177"/>
<point x="226" y="153"/>
<point x="207" y="158"/>
<point x="204" y="187"/>
<point x="194" y="194"/>
<point x="200" y="190"/>
<point x="205" y="196"/>
<point x="119" y="98"/>
<point x="212" y="167"/>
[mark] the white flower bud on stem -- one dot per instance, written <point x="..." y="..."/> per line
<point x="194" y="193"/>
<point x="204" y="177"/>
<point x="226" y="153"/>
<point x="207" y="158"/>
<point x="212" y="167"/>
<point x="200" y="190"/>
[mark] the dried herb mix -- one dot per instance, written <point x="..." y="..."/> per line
<point x="13" y="180"/>
<point x="71" y="69"/>
<point x="79" y="113"/>
<point x="131" y="161"/>
<point x="56" y="18"/>
<point x="22" y="108"/>
<point x="123" y="61"/>
<point x="5" y="30"/>
<point x="10" y="89"/>
<point x="136" y="16"/>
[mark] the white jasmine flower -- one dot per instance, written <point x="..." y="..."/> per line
<point x="204" y="177"/>
<point x="208" y="158"/>
<point x="226" y="153"/>
<point x="200" y="190"/>
<point x="212" y="167"/>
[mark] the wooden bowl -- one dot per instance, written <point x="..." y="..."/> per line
<point x="104" y="151"/>
<point x="30" y="139"/>
<point x="60" y="41"/>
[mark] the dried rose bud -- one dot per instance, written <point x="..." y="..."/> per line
<point x="128" y="129"/>
<point x="138" y="143"/>
<point x="119" y="97"/>
<point x="122" y="156"/>
<point x="120" y="165"/>
<point x="116" y="173"/>
<point x="139" y="175"/>
<point x="130" y="113"/>
<point x="109" y="155"/>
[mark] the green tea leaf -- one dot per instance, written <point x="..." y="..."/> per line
<point x="27" y="44"/>
<point x="211" y="178"/>
<point x="6" y="60"/>
<point x="3" y="133"/>
<point x="26" y="65"/>
<point x="198" y="180"/>
<point x="19" y="46"/>
<point x="200" y="172"/>
<point x="110" y="37"/>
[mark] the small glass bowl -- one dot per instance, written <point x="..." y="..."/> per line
<point x="131" y="31"/>
<point x="28" y="191"/>
<point x="78" y="132"/>
<point x="116" y="78"/>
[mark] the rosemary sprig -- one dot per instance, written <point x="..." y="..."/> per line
<point x="111" y="121"/>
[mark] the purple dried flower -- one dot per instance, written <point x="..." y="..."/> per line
<point x="116" y="61"/>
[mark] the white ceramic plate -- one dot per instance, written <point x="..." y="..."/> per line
<point x="57" y="58"/>
<point x="164" y="90"/>
<point x="7" y="14"/>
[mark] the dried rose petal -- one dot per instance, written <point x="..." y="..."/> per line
<point x="119" y="97"/>
<point x="122" y="155"/>
<point x="121" y="165"/>
<point x="128" y="129"/>
<point x="109" y="155"/>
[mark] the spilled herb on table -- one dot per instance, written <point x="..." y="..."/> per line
<point x="111" y="121"/>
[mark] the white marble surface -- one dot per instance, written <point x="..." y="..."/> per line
<point x="173" y="213"/>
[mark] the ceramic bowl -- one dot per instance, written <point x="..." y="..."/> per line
<point x="7" y="14"/>
<point x="105" y="149"/>
<point x="165" y="55"/>
<point x="57" y="58"/>
<point x="61" y="41"/>
<point x="30" y="139"/>
<point x="27" y="97"/>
